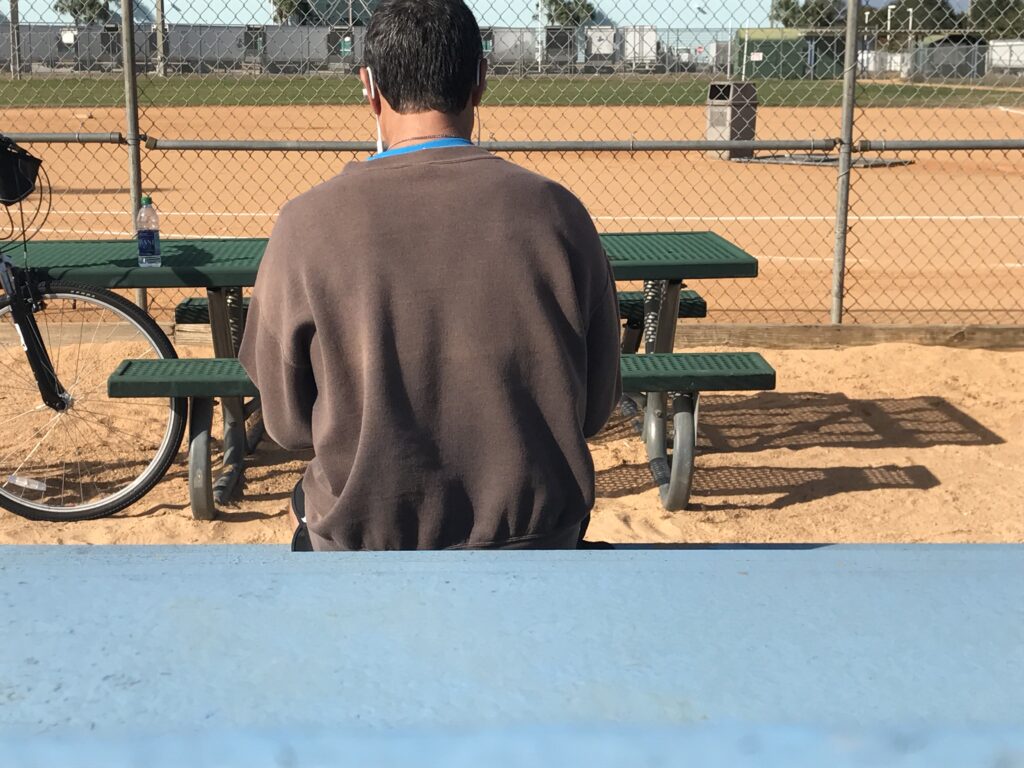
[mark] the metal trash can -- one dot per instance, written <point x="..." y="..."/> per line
<point x="732" y="116"/>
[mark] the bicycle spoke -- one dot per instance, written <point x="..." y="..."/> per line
<point x="37" y="446"/>
<point x="97" y="422"/>
<point x="22" y="415"/>
<point x="81" y="488"/>
<point x="36" y="433"/>
<point x="119" y="416"/>
<point x="82" y="461"/>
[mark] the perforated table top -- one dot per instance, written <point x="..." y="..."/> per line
<point x="231" y="263"/>
<point x="676" y="256"/>
<point x="228" y="263"/>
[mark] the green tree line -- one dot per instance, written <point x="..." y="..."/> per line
<point x="992" y="19"/>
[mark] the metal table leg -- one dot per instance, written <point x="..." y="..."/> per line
<point x="200" y="483"/>
<point x="672" y="473"/>
<point x="661" y="301"/>
<point x="225" y="326"/>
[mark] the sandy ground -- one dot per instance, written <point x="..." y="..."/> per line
<point x="892" y="443"/>
<point x="937" y="241"/>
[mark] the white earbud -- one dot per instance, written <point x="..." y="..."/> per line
<point x="373" y="86"/>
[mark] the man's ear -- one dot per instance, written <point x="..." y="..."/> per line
<point x="370" y="90"/>
<point x="481" y="84"/>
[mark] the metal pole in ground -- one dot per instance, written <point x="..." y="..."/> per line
<point x="845" y="160"/>
<point x="161" y="45"/>
<point x="15" y="41"/>
<point x="131" y="106"/>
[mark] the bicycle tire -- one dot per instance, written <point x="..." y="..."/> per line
<point x="176" y="414"/>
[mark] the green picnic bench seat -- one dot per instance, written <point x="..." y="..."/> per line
<point x="631" y="306"/>
<point x="196" y="311"/>
<point x="631" y="309"/>
<point x="200" y="380"/>
<point x="679" y="376"/>
<point x="176" y="377"/>
<point x="672" y="384"/>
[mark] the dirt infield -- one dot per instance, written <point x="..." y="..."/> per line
<point x="879" y="444"/>
<point x="937" y="241"/>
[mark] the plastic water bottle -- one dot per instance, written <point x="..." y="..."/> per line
<point x="148" y="229"/>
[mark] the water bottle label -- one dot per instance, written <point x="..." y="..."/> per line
<point x="149" y="242"/>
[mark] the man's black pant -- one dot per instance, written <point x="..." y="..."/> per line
<point x="302" y="543"/>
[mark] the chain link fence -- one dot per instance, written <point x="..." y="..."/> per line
<point x="247" y="103"/>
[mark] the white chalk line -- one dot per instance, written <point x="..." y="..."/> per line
<point x="61" y="231"/>
<point x="186" y="214"/>
<point x="667" y="219"/>
<point x="829" y="219"/>
<point x="1012" y="111"/>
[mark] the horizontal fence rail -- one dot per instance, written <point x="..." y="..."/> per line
<point x="940" y="145"/>
<point x="66" y="138"/>
<point x="213" y="145"/>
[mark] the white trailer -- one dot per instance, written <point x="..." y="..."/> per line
<point x="1006" y="56"/>
<point x="512" y="49"/>
<point x="602" y="46"/>
<point x="640" y="47"/>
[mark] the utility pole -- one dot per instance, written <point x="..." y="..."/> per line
<point x="161" y="59"/>
<point x="15" y="41"/>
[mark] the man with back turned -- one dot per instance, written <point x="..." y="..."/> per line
<point x="438" y="324"/>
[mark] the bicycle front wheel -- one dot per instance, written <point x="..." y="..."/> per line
<point x="99" y="455"/>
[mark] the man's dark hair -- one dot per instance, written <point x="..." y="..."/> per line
<point x="425" y="54"/>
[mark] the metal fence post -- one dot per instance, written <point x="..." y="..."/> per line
<point x="845" y="160"/>
<point x="131" y="105"/>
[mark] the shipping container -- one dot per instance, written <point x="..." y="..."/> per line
<point x="602" y="45"/>
<point x="5" y="47"/>
<point x="44" y="45"/>
<point x="513" y="49"/>
<point x="345" y="47"/>
<point x="296" y="49"/>
<point x="98" y="47"/>
<point x="640" y="47"/>
<point x="1006" y="56"/>
<point x="561" y="48"/>
<point x="205" y="47"/>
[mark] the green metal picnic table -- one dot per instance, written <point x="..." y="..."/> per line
<point x="224" y="266"/>
<point x="233" y="263"/>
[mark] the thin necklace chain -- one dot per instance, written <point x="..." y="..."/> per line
<point x="394" y="144"/>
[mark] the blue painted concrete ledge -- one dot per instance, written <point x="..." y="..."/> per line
<point x="107" y="648"/>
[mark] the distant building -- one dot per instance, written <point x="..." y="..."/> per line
<point x="789" y="54"/>
<point x="958" y="56"/>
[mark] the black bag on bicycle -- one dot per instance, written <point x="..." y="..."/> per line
<point x="18" y="172"/>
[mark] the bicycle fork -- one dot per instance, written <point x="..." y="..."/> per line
<point x="23" y="308"/>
